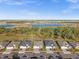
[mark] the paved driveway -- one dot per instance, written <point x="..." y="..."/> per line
<point x="22" y="51"/>
<point x="66" y="52"/>
<point x="36" y="51"/>
<point x="8" y="51"/>
<point x="49" y="51"/>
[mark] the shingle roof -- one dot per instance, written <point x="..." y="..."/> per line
<point x="5" y="43"/>
<point x="10" y="44"/>
<point x="16" y="43"/>
<point x="73" y="44"/>
<point x="63" y="43"/>
<point x="28" y="42"/>
<point x="22" y="43"/>
<point x="48" y="43"/>
<point x="60" y="43"/>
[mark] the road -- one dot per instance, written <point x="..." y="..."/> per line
<point x="28" y="55"/>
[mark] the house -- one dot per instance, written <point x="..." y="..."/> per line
<point x="25" y="44"/>
<point x="22" y="45"/>
<point x="73" y="44"/>
<point x="9" y="46"/>
<point x="49" y="44"/>
<point x="38" y="44"/>
<point x="5" y="43"/>
<point x="16" y="44"/>
<point x="28" y="43"/>
<point x="64" y="45"/>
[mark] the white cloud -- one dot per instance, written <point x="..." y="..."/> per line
<point x="14" y="3"/>
<point x="73" y="6"/>
<point x="19" y="2"/>
<point x="72" y="1"/>
<point x="24" y="14"/>
<point x="55" y="1"/>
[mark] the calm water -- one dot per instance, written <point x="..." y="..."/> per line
<point x="6" y="25"/>
<point x="46" y="25"/>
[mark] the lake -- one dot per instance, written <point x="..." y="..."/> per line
<point x="46" y="25"/>
<point x="7" y="25"/>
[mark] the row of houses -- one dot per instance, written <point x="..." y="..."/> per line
<point x="68" y="45"/>
<point x="15" y="44"/>
<point x="38" y="44"/>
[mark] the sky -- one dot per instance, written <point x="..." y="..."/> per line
<point x="39" y="9"/>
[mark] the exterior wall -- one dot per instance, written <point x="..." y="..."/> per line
<point x="48" y="47"/>
<point x="63" y="47"/>
<point x="36" y="47"/>
<point x="27" y="46"/>
<point x="9" y="48"/>
<point x="22" y="47"/>
<point x="15" y="47"/>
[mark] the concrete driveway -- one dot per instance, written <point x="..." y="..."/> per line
<point x="49" y="51"/>
<point x="8" y="51"/>
<point x="66" y="52"/>
<point x="36" y="51"/>
<point x="22" y="51"/>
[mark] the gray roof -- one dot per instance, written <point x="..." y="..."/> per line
<point x="5" y="43"/>
<point x="48" y="43"/>
<point x="16" y="43"/>
<point x="22" y="43"/>
<point x="60" y="43"/>
<point x="28" y="42"/>
<point x="10" y="44"/>
<point x="73" y="44"/>
<point x="63" y="43"/>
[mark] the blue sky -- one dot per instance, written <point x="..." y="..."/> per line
<point x="39" y="9"/>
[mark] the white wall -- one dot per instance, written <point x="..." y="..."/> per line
<point x="9" y="47"/>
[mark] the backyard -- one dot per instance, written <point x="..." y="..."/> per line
<point x="66" y="33"/>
